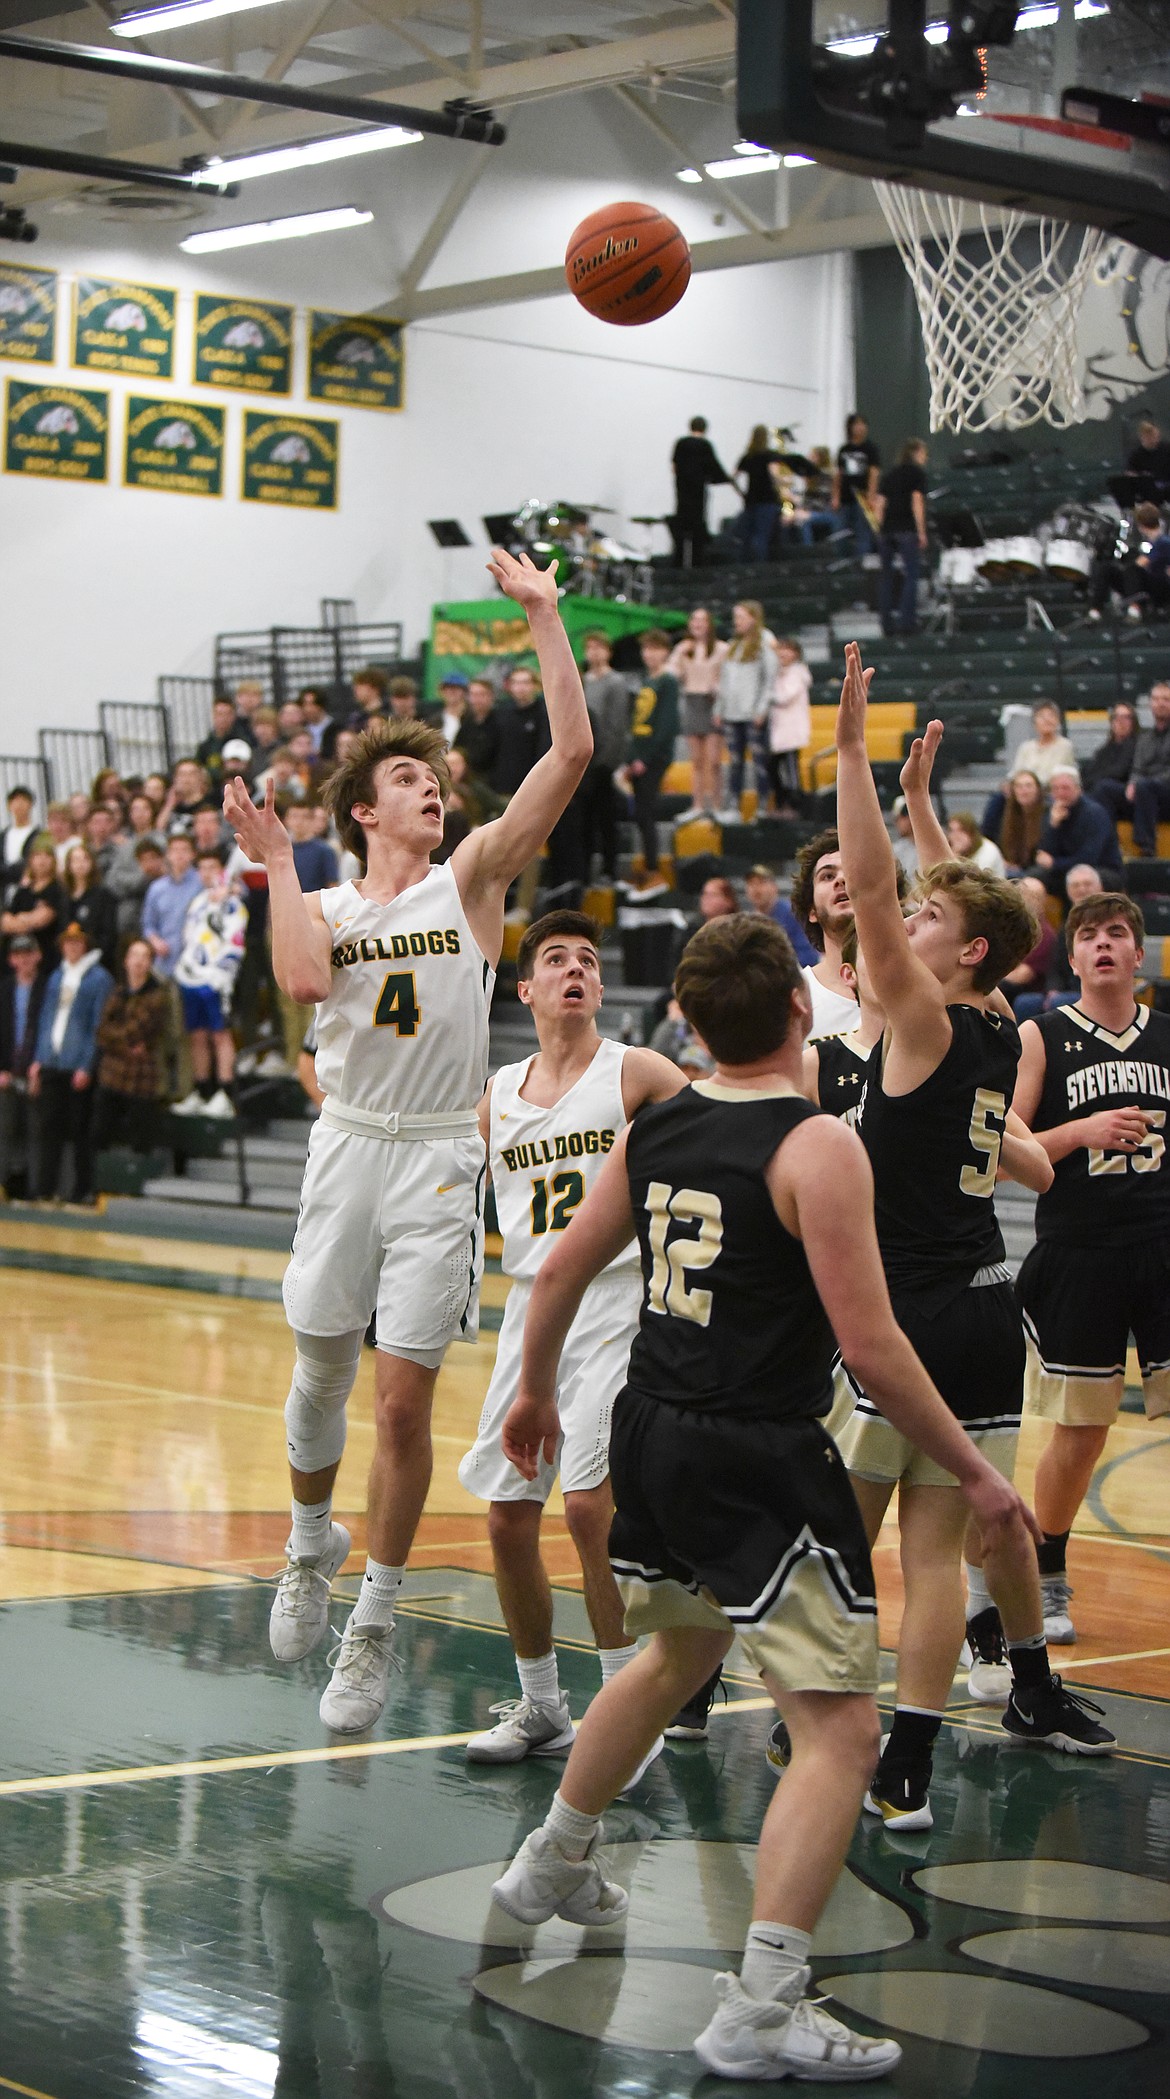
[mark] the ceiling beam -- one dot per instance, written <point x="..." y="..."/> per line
<point x="866" y="230"/>
<point x="735" y="206"/>
<point x="471" y="168"/>
<point x="278" y="66"/>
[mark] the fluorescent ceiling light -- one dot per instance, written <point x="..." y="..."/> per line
<point x="1039" y="17"/>
<point x="282" y="158"/>
<point x="275" y="230"/>
<point x="753" y="160"/>
<point x="147" y="21"/>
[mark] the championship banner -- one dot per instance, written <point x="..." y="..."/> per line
<point x="359" y="362"/>
<point x="290" y="459"/>
<point x="174" y="445"/>
<point x="123" y="327"/>
<point x="28" y="313"/>
<point x="243" y="342"/>
<point x="61" y="432"/>
<point x="488" y="637"/>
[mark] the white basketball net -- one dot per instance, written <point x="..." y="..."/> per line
<point x="1000" y="332"/>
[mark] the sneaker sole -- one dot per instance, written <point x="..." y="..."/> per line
<point x="764" y="2072"/>
<point x="558" y="1747"/>
<point x="1059" y="1637"/>
<point x="894" y="1818"/>
<point x="317" y="1638"/>
<point x="987" y="1694"/>
<point x="684" y="1734"/>
<point x="1067" y="1743"/>
<point x="532" y="1915"/>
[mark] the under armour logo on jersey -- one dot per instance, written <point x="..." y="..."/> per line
<point x="843" y="1079"/>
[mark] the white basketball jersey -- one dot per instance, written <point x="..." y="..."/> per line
<point x="544" y="1161"/>
<point x="405" y="1025"/>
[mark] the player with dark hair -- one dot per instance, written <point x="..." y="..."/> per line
<point x="1094" y="1084"/>
<point x="549" y="1124"/>
<point x="753" y="1214"/>
<point x="934" y="1122"/>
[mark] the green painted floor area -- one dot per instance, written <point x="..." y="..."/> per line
<point x="309" y="1928"/>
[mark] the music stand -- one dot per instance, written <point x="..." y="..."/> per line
<point x="500" y="527"/>
<point x="447" y="532"/>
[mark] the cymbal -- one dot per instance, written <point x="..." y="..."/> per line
<point x="647" y="520"/>
<point x="602" y="509"/>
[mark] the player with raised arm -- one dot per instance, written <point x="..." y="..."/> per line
<point x="400" y="965"/>
<point x="1094" y="1083"/>
<point x="549" y="1124"/>
<point x="933" y="1122"/>
<point x="754" y="1219"/>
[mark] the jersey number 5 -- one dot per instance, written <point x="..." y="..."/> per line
<point x="984" y="1137"/>
<point x="669" y="1291"/>
<point x="398" y="1005"/>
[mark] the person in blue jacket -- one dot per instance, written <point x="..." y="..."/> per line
<point x="60" y="1077"/>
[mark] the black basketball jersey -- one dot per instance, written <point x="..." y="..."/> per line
<point x="841" y="1070"/>
<point x="934" y="1154"/>
<point x="731" y="1321"/>
<point x="1100" y="1198"/>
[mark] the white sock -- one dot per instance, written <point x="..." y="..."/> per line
<point x="380" y="1586"/>
<point x="571" y="1832"/>
<point x="310" y="1528"/>
<point x="613" y="1660"/>
<point x="772" y="1956"/>
<point x="538" y="1679"/>
<point x="979" y="1596"/>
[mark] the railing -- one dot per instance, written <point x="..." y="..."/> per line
<point x="138" y="737"/>
<point x="71" y="759"/>
<point x="286" y="659"/>
<point x="187" y="703"/>
<point x="24" y="772"/>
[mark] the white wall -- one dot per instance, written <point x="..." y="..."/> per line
<point x="104" y="586"/>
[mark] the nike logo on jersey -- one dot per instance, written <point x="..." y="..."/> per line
<point x="447" y="1187"/>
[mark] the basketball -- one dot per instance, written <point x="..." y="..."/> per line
<point x="627" y="264"/>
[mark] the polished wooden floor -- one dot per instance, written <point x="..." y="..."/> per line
<point x="202" y="1894"/>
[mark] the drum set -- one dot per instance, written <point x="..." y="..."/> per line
<point x="1064" y="549"/>
<point x="589" y="561"/>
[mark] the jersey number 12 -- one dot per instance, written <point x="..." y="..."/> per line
<point x="669" y="1289"/>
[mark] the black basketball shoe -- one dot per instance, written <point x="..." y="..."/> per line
<point x="690" y="1722"/>
<point x="1057" y="1719"/>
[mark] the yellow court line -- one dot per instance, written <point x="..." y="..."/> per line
<point x="28" y="2091"/>
<point x="1103" y="1661"/>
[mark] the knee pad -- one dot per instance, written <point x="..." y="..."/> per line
<point x="314" y="1412"/>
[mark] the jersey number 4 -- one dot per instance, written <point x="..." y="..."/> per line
<point x="398" y="1006"/>
<point x="673" y="1259"/>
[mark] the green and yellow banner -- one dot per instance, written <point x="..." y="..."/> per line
<point x="175" y="445"/>
<point x="60" y="432"/>
<point x="124" y="327"/>
<point x="356" y="361"/>
<point x="28" y="313"/>
<point x="245" y="343"/>
<point x="290" y="459"/>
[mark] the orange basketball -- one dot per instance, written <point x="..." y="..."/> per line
<point x="627" y="264"/>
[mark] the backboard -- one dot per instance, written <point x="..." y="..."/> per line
<point x="1054" y="109"/>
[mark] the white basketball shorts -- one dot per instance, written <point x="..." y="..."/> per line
<point x="395" y="1225"/>
<point x="592" y="1372"/>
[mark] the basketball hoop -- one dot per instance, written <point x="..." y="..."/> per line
<point x="999" y="326"/>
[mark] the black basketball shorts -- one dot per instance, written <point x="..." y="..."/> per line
<point x="743" y="1525"/>
<point x="1080" y="1306"/>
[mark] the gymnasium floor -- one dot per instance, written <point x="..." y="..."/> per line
<point x="201" y="1894"/>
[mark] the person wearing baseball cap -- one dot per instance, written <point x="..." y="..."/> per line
<point x="762" y="894"/>
<point x="22" y="992"/>
<point x="60" y="1077"/>
<point x="452" y="701"/>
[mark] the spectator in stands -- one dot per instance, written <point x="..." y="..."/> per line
<point x="167" y="901"/>
<point x="607" y="697"/>
<point x="1140" y="578"/>
<point x="695" y="662"/>
<point x="89" y="904"/>
<point x="1061" y="985"/>
<point x="1022" y="818"/>
<point x="317" y="719"/>
<point x="62" y="830"/>
<point x="289" y="719"/>
<point x="403" y="697"/>
<point x="61" y="1075"/>
<point x="470" y="803"/>
<point x="788" y="729"/>
<point x="16" y="839"/>
<point x="746" y="679"/>
<point x="650" y="748"/>
<point x="816" y="508"/>
<point x="37" y="904"/>
<point x="452" y="704"/>
<point x="236" y="764"/>
<point x="131" y="1037"/>
<point x="190" y="790"/>
<point x="369" y="693"/>
<point x="22" y="991"/>
<point x="107" y="782"/>
<point x="157" y="788"/>
<point x="316" y="865"/>
<point x="855" y="482"/>
<point x="79" y="808"/>
<point x="250" y="697"/>
<point x="223" y="728"/>
<point x="967" y="842"/>
<point x="1077" y="830"/>
<point x="101" y="830"/>
<point x="139" y="862"/>
<point x="696" y="469"/>
<point x="717" y="899"/>
<point x="264" y="736"/>
<point x="900" y="511"/>
<point x="523" y="731"/>
<point x="1151" y="456"/>
<point x="479" y="731"/>
<point x="1029" y="978"/>
<point x="762" y="894"/>
<point x="205" y="972"/>
<point x="209" y="833"/>
<point x="1113" y="759"/>
<point x="675" y="1038"/>
<point x="761" y="497"/>
<point x="281" y="769"/>
<point x="905" y="850"/>
<point x="1146" y="796"/>
<point x="1047" y="748"/>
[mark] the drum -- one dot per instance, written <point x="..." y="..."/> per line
<point x="991" y="561"/>
<point x="1076" y="535"/>
<point x="1068" y="559"/>
<point x="1023" y="557"/>
<point x="957" y="567"/>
